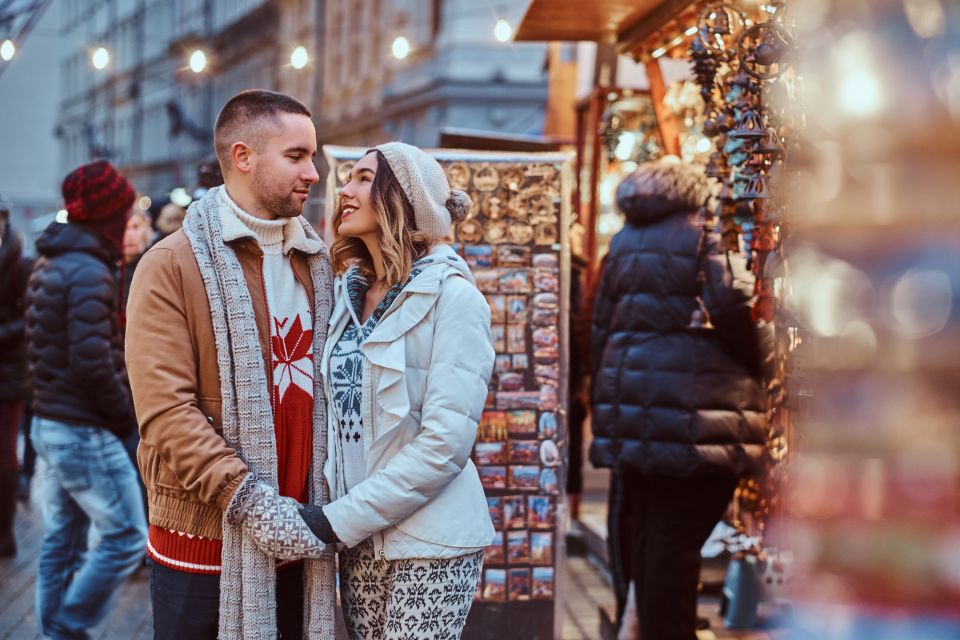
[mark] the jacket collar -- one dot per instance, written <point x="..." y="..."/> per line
<point x="232" y="229"/>
<point x="445" y="262"/>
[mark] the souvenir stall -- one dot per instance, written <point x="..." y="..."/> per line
<point x="515" y="241"/>
<point x="729" y="116"/>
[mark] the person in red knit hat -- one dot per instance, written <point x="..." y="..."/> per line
<point x="82" y="407"/>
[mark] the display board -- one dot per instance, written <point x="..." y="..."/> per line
<point x="515" y="241"/>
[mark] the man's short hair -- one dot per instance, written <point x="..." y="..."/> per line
<point x="241" y="113"/>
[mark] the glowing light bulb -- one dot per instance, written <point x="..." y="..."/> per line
<point x="400" y="48"/>
<point x="502" y="31"/>
<point x="8" y="50"/>
<point x="198" y="61"/>
<point x="299" y="58"/>
<point x="100" y="58"/>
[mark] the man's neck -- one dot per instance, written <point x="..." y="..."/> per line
<point x="242" y="197"/>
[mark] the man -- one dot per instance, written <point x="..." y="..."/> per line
<point x="220" y="343"/>
<point x="82" y="407"/>
<point x="14" y="270"/>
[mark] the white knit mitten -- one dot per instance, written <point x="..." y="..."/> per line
<point x="273" y="522"/>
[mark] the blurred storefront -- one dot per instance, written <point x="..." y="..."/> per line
<point x="831" y="132"/>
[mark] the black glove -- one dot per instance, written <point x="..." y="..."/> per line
<point x="318" y="523"/>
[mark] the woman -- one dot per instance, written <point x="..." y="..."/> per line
<point x="136" y="240"/>
<point x="408" y="358"/>
<point x="678" y="404"/>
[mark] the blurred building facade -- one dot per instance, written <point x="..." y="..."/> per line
<point x="153" y="116"/>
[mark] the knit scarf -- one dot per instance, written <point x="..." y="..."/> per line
<point x="248" y="576"/>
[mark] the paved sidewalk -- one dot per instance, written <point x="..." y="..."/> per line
<point x="584" y="586"/>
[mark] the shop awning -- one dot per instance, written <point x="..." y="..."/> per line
<point x="629" y="23"/>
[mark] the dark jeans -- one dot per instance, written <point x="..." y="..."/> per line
<point x="662" y="522"/>
<point x="186" y="606"/>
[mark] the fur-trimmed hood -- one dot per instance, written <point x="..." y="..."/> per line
<point x="660" y="188"/>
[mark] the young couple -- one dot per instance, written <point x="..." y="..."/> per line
<point x="294" y="401"/>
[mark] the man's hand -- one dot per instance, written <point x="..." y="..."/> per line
<point x="273" y="522"/>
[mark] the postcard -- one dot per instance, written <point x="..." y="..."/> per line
<point x="514" y="512"/>
<point x="518" y="547"/>
<point x="493" y="477"/>
<point x="494" y="584"/>
<point x="524" y="477"/>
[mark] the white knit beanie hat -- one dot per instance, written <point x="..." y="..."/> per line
<point x="435" y="204"/>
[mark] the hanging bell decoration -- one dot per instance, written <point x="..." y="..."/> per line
<point x="756" y="188"/>
<point x="704" y="69"/>
<point x="717" y="166"/>
<point x="770" y="146"/>
<point x="750" y="127"/>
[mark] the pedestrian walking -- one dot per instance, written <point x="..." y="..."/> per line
<point x="220" y="346"/>
<point x="14" y="384"/>
<point x="408" y="359"/>
<point x="82" y="407"/>
<point x="678" y="405"/>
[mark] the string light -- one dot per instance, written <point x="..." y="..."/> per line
<point x="502" y="31"/>
<point x="299" y="58"/>
<point x="8" y="50"/>
<point x="100" y="58"/>
<point x="400" y="48"/>
<point x="198" y="61"/>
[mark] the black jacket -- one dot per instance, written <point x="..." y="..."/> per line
<point x="72" y="330"/>
<point x="669" y="399"/>
<point x="14" y="271"/>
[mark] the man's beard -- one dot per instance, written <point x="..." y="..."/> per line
<point x="282" y="205"/>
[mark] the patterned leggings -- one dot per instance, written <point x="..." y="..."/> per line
<point x="406" y="599"/>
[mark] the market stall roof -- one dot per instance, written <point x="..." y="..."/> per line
<point x="626" y="22"/>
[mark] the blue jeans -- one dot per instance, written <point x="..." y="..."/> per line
<point x="87" y="479"/>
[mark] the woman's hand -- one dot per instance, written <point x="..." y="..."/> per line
<point x="318" y="523"/>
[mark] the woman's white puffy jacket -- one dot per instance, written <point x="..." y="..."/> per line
<point x="427" y="366"/>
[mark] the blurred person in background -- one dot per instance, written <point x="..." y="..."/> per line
<point x="136" y="241"/>
<point x="579" y="365"/>
<point x="14" y="271"/>
<point x="678" y="405"/>
<point x="169" y="219"/>
<point x="82" y="406"/>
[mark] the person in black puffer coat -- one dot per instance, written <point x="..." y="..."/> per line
<point x="678" y="403"/>
<point x="14" y="270"/>
<point x="82" y="407"/>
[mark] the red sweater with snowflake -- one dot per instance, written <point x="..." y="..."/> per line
<point x="291" y="353"/>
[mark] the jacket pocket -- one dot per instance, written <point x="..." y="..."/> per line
<point x="458" y="517"/>
<point x="211" y="410"/>
<point x="157" y="474"/>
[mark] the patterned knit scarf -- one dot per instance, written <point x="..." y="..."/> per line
<point x="248" y="576"/>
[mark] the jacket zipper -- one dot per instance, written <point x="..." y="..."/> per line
<point x="373" y="433"/>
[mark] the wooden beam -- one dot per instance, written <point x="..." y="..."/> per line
<point x="649" y="24"/>
<point x="669" y="129"/>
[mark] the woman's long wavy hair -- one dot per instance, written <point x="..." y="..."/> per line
<point x="401" y="244"/>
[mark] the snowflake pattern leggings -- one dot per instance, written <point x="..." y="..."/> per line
<point x="406" y="599"/>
